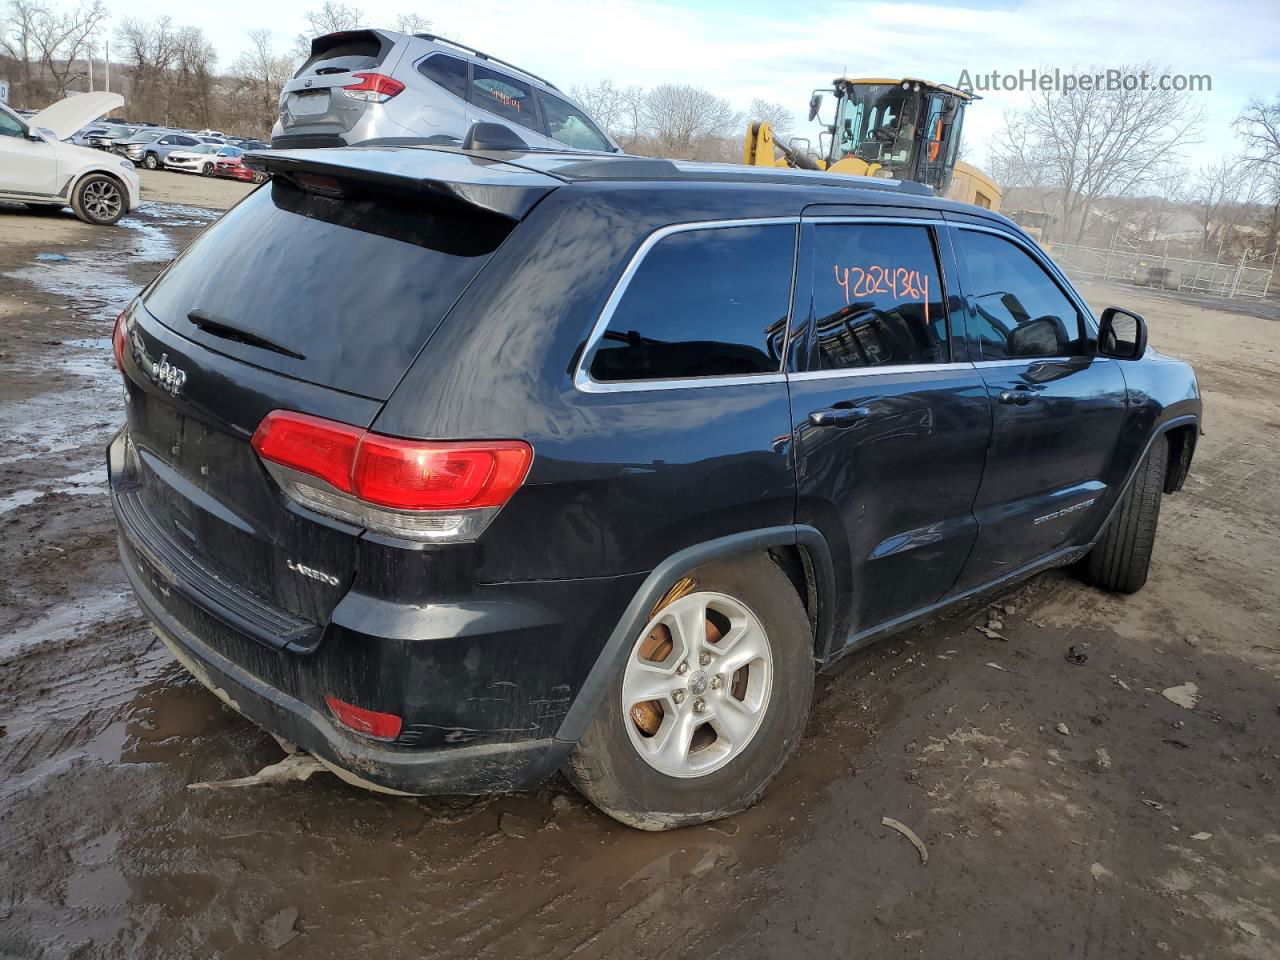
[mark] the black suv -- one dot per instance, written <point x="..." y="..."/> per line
<point x="459" y="467"/>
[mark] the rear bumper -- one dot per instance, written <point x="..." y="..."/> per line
<point x="487" y="768"/>
<point x="483" y="678"/>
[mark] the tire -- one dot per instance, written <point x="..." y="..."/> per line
<point x="771" y="694"/>
<point x="150" y="161"/>
<point x="1121" y="559"/>
<point x="207" y="170"/>
<point x="99" y="199"/>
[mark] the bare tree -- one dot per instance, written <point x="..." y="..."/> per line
<point x="149" y="50"/>
<point x="332" y="17"/>
<point x="1089" y="143"/>
<point x="412" y="23"/>
<point x="1216" y="196"/>
<point x="616" y="109"/>
<point x="63" y="38"/>
<point x="680" y="119"/>
<point x="18" y="43"/>
<point x="776" y="115"/>
<point x="1259" y="125"/>
<point x="191" y="90"/>
<point x="260" y="74"/>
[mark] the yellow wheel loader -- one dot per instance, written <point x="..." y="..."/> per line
<point x="905" y="129"/>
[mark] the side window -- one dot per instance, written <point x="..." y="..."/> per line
<point x="1019" y="310"/>
<point x="448" y="72"/>
<point x="702" y="303"/>
<point x="570" y="125"/>
<point x="187" y="141"/>
<point x="10" y="126"/>
<point x="506" y="96"/>
<point x="165" y="141"/>
<point x="877" y="296"/>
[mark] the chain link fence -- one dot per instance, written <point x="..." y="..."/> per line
<point x="1127" y="262"/>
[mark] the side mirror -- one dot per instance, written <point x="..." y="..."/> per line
<point x="815" y="104"/>
<point x="35" y="135"/>
<point x="1122" y="334"/>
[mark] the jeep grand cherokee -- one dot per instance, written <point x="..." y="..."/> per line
<point x="458" y="467"/>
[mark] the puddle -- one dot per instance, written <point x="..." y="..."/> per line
<point x="87" y="483"/>
<point x="62" y="623"/>
<point x="97" y="283"/>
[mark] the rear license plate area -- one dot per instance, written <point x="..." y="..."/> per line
<point x="309" y="103"/>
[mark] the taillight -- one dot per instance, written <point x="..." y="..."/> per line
<point x="417" y="489"/>
<point x="119" y="333"/>
<point x="384" y="726"/>
<point x="374" y="87"/>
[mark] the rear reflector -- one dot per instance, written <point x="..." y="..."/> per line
<point x="383" y="726"/>
<point x="373" y="87"/>
<point x="420" y="489"/>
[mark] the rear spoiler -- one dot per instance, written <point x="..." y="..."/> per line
<point x="463" y="181"/>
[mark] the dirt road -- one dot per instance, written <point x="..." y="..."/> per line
<point x="1144" y="830"/>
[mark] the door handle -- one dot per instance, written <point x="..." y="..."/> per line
<point x="840" y="415"/>
<point x="1019" y="396"/>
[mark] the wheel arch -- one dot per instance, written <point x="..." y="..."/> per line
<point x="79" y="178"/>
<point x="800" y="551"/>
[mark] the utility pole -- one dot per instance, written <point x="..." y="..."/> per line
<point x="106" y="60"/>
<point x="90" y="59"/>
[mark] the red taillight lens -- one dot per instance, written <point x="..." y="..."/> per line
<point x="311" y="445"/>
<point x="459" y="483"/>
<point x="119" y="333"/>
<point x="384" y="726"/>
<point x="377" y="87"/>
<point x="412" y="475"/>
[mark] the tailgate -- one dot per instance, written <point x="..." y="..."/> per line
<point x="197" y="503"/>
<point x="314" y="94"/>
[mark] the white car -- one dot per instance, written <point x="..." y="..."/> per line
<point x="38" y="169"/>
<point x="199" y="159"/>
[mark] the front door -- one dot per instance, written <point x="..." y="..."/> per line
<point x="891" y="426"/>
<point x="1057" y="409"/>
<point x="26" y="166"/>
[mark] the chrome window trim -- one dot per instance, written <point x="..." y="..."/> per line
<point x="585" y="383"/>
<point x="1024" y="361"/>
<point x="1047" y="265"/>
<point x="856" y="218"/>
<point x="886" y="370"/>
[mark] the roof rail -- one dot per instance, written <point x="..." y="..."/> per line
<point x="480" y="54"/>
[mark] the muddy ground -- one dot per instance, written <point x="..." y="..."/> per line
<point x="1144" y="830"/>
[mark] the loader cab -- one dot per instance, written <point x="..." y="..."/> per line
<point x="904" y="129"/>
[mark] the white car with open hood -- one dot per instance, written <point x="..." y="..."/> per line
<point x="39" y="169"/>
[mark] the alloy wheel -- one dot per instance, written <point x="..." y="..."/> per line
<point x="696" y="685"/>
<point x="102" y="200"/>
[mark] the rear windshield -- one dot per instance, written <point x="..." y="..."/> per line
<point x="340" y="292"/>
<point x="355" y="50"/>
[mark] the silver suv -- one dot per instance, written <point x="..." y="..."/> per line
<point x="363" y="85"/>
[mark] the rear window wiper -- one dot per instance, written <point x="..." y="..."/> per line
<point x="221" y="327"/>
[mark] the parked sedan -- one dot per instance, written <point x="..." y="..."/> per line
<point x="230" y="163"/>
<point x="200" y="159"/>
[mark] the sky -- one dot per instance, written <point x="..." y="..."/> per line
<point x="783" y="51"/>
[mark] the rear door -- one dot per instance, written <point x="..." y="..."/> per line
<point x="891" y="420"/>
<point x="294" y="300"/>
<point x="1057" y="408"/>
